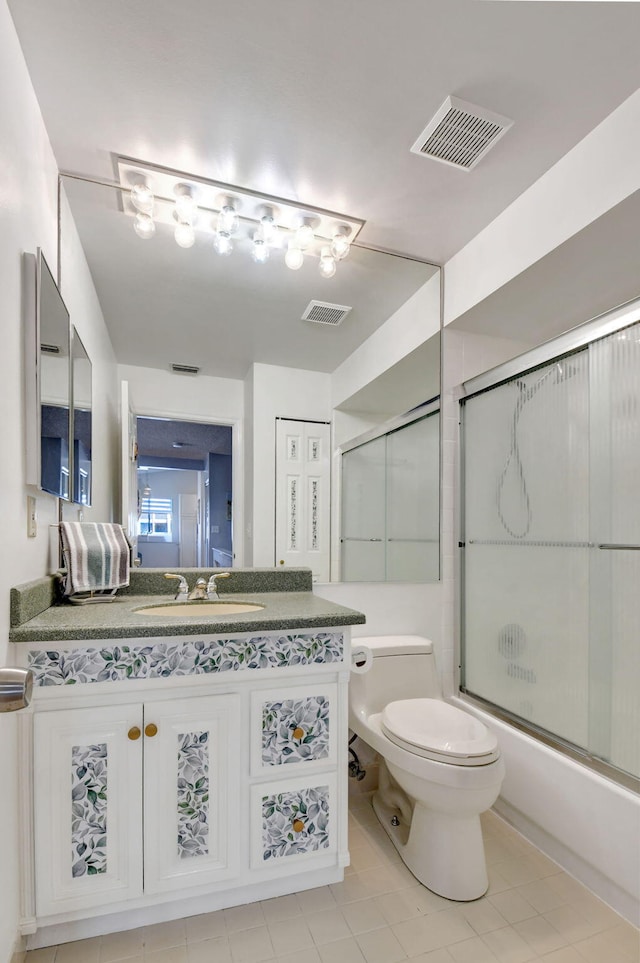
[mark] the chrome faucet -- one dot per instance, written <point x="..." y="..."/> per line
<point x="212" y="588"/>
<point x="199" y="591"/>
<point x="183" y="589"/>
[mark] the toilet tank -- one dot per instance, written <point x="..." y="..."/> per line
<point x="403" y="667"/>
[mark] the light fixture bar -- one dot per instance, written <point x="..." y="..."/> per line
<point x="211" y="196"/>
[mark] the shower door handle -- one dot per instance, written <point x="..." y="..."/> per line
<point x="615" y="547"/>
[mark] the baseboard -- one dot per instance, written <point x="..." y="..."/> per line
<point x="19" y="950"/>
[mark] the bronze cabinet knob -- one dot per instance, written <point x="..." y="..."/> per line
<point x="298" y="733"/>
<point x="298" y="825"/>
<point x="150" y="730"/>
<point x="134" y="733"/>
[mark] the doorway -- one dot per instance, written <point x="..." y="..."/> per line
<point x="184" y="494"/>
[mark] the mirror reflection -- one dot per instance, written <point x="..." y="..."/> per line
<point x="53" y="327"/>
<point x="229" y="316"/>
<point x="82" y="427"/>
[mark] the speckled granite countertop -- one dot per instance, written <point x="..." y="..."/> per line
<point x="119" y="619"/>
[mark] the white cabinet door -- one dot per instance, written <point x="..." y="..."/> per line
<point x="88" y="792"/>
<point x="302" y="495"/>
<point x="192" y="758"/>
<point x="294" y="822"/>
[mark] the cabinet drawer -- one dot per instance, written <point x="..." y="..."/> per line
<point x="293" y="822"/>
<point x="293" y="727"/>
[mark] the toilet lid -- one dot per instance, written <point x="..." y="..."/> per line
<point x="434" y="726"/>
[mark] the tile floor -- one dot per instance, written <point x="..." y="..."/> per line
<point x="380" y="914"/>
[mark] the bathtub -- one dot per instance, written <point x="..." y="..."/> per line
<point x="589" y="825"/>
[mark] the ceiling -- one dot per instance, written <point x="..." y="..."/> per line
<point x="165" y="443"/>
<point x="319" y="103"/>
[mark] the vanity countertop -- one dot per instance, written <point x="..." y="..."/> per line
<point x="119" y="620"/>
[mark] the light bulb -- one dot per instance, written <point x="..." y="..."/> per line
<point x="294" y="256"/>
<point x="268" y="228"/>
<point x="185" y="210"/>
<point x="260" y="250"/>
<point x="327" y="263"/>
<point x="228" y="220"/>
<point x="340" y="246"/>
<point x="144" y="226"/>
<point x="185" y="235"/>
<point x="142" y="198"/>
<point x="304" y="236"/>
<point x="223" y="243"/>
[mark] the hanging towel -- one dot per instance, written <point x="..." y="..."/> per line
<point x="96" y="556"/>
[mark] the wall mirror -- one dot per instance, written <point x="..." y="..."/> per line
<point x="81" y="395"/>
<point x="47" y="346"/>
<point x="164" y="304"/>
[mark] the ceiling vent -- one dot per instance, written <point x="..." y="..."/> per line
<point x="185" y="369"/>
<point x="323" y="313"/>
<point x="460" y="134"/>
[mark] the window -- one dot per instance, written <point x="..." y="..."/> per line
<point x="155" y="517"/>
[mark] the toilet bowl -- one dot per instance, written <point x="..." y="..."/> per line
<point x="440" y="767"/>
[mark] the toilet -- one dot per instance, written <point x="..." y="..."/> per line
<point x="440" y="767"/>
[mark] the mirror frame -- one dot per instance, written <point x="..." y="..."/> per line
<point x="34" y="266"/>
<point x="76" y="488"/>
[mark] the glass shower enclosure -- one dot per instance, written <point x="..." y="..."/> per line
<point x="550" y="546"/>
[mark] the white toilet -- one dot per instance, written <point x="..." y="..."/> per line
<point x="440" y="767"/>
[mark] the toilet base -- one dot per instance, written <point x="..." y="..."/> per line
<point x="445" y="853"/>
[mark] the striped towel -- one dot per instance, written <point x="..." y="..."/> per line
<point x="96" y="556"/>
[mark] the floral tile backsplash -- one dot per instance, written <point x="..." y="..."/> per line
<point x="295" y="822"/>
<point x="295" y="730"/>
<point x="193" y="794"/>
<point x="155" y="660"/>
<point x="88" y="810"/>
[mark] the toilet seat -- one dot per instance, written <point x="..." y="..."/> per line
<point x="436" y="730"/>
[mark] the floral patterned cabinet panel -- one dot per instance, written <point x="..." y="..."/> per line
<point x="293" y="728"/>
<point x="192" y="768"/>
<point x="294" y="821"/>
<point x="87" y="790"/>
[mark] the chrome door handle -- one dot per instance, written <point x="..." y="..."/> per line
<point x="16" y="686"/>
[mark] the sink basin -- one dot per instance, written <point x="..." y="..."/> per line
<point x="198" y="610"/>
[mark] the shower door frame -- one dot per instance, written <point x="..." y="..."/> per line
<point x="559" y="348"/>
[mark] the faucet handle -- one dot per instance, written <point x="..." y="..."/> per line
<point x="212" y="589"/>
<point x="183" y="588"/>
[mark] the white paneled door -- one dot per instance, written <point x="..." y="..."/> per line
<point x="302" y="495"/>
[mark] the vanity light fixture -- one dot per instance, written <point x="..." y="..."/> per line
<point x="234" y="217"/>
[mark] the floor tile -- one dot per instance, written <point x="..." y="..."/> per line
<point x="290" y="936"/>
<point x="570" y="923"/>
<point x="540" y="935"/>
<point x="513" y="906"/>
<point x="565" y="955"/>
<point x="508" y="946"/>
<point x="169" y="954"/>
<point x="432" y="932"/>
<point x="482" y="915"/>
<point x="164" y="935"/>
<point x="238" y="918"/>
<point x="601" y="949"/>
<point x="310" y="956"/>
<point x="343" y="951"/>
<point x="121" y="946"/>
<point x="281" y="908"/>
<point x="80" y="951"/>
<point x="210" y="951"/>
<point x="45" y="955"/>
<point x="381" y="946"/>
<point x="314" y="900"/>
<point x="328" y="926"/>
<point x="363" y="916"/>
<point x="541" y="895"/>
<point x="251" y="945"/>
<point x="208" y="926"/>
<point x="472" y="951"/>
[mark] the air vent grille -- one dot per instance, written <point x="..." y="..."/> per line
<point x="324" y="313"/>
<point x="185" y="368"/>
<point x="460" y="134"/>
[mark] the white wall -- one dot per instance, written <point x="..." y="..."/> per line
<point x="28" y="220"/>
<point x="600" y="172"/>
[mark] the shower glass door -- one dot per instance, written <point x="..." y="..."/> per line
<point x="551" y="617"/>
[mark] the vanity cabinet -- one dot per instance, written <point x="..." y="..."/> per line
<point x="205" y="772"/>
<point x="133" y="791"/>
